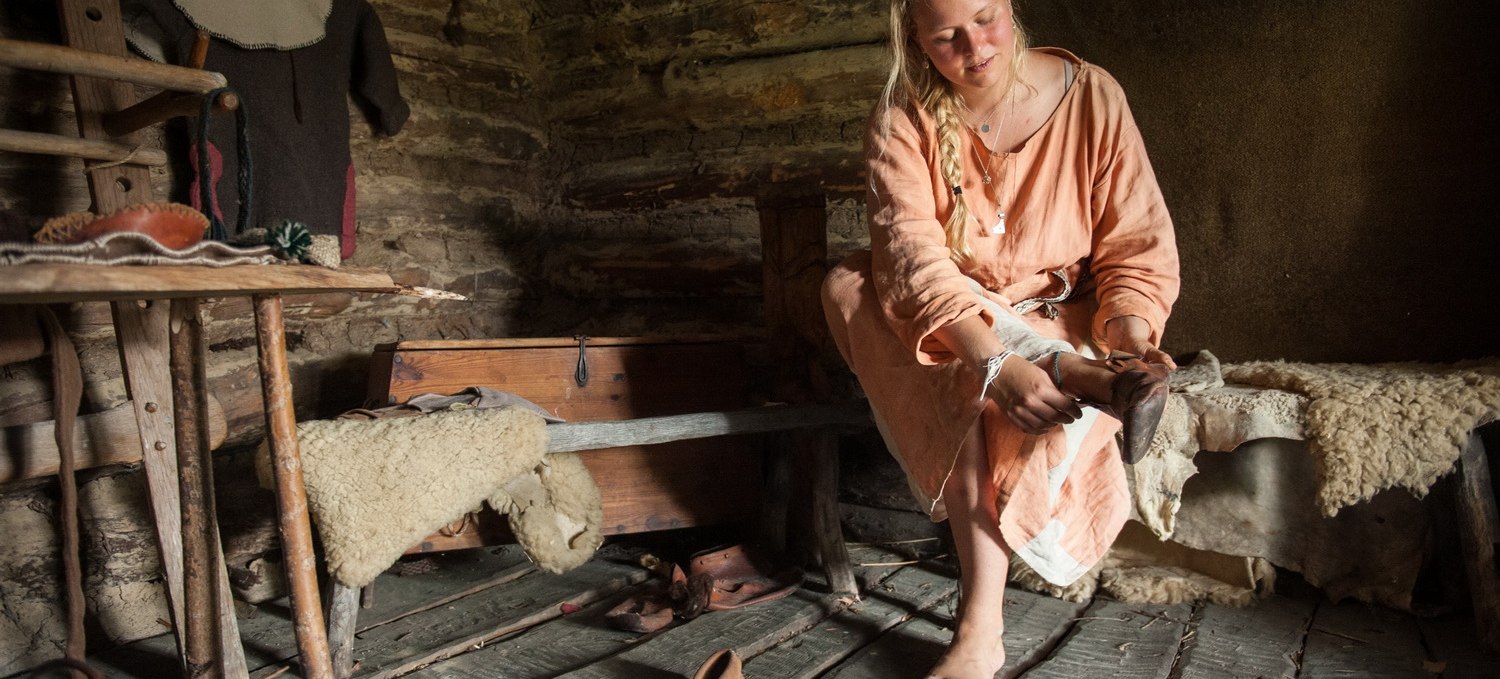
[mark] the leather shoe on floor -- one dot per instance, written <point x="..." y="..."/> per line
<point x="724" y="664"/>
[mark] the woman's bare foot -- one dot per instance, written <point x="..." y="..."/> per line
<point x="970" y="660"/>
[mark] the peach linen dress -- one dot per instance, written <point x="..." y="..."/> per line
<point x="1084" y="215"/>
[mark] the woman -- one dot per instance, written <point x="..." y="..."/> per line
<point x="1017" y="232"/>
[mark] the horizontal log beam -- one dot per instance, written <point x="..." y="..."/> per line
<point x="29" y="451"/>
<point x="840" y="82"/>
<point x="650" y="182"/>
<point x="73" y="61"/>
<point x="568" y="437"/>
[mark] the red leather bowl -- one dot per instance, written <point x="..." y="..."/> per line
<point x="174" y="225"/>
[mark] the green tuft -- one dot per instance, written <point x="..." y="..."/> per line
<point x="291" y="239"/>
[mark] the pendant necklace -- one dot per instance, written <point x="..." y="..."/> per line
<point x="999" y="227"/>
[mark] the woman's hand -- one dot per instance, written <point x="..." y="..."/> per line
<point x="1131" y="335"/>
<point x="1026" y="395"/>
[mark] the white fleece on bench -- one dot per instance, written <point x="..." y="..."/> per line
<point x="377" y="487"/>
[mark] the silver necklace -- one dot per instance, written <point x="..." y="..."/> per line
<point x="984" y="169"/>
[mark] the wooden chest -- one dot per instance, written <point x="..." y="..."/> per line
<point x="645" y="488"/>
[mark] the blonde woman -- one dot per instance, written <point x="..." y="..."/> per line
<point x="1008" y="314"/>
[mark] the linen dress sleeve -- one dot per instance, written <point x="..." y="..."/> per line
<point x="919" y="286"/>
<point x="1134" y="251"/>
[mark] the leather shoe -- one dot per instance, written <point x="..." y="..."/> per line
<point x="1138" y="397"/>
<point x="723" y="664"/>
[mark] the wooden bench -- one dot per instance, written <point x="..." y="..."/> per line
<point x="662" y="425"/>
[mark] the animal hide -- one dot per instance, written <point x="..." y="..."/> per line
<point x="377" y="487"/>
<point x="1372" y="427"/>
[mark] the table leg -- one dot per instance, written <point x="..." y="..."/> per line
<point x="291" y="497"/>
<point x="141" y="332"/>
<point x="200" y="638"/>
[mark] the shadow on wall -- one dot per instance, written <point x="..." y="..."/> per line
<point x="1324" y="164"/>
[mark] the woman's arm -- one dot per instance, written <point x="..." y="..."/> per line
<point x="1024" y="392"/>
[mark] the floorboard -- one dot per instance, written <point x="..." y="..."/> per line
<point x="487" y="614"/>
<point x="423" y="638"/>
<point x="560" y="645"/>
<point x="1122" y="641"/>
<point x="1358" y="640"/>
<point x="1263" y="640"/>
<point x="909" y="592"/>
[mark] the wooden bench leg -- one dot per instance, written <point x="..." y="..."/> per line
<point x="1477" y="525"/>
<point x="343" y="613"/>
<point x="829" y="532"/>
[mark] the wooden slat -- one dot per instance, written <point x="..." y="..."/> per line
<point x="1118" y="640"/>
<point x="569" y="641"/>
<point x="911" y="591"/>
<point x="908" y="650"/>
<point x="141" y="332"/>
<point x="573" y="436"/>
<point x="33" y="283"/>
<point x="427" y="637"/>
<point x="69" y="61"/>
<point x="1260" y="641"/>
<point x="678" y="651"/>
<point x="270" y="643"/>
<point x="1034" y="624"/>
<point x="1358" y="640"/>
<point x="28" y="451"/>
<point x="20" y="141"/>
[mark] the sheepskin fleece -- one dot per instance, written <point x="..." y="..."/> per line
<point x="555" y="512"/>
<point x="1141" y="569"/>
<point x="1372" y="427"/>
<point x="377" y="487"/>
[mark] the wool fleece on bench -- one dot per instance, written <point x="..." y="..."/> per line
<point x="376" y="487"/>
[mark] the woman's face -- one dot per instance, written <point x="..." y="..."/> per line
<point x="968" y="41"/>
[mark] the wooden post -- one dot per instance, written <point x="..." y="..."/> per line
<point x="794" y="260"/>
<point x="291" y="496"/>
<point x="97" y="27"/>
<point x="1477" y="526"/>
<point x="201" y="636"/>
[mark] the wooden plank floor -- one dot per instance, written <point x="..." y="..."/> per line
<point x="487" y="613"/>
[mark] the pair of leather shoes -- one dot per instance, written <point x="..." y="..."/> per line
<point x="716" y="580"/>
<point x="1138" y="396"/>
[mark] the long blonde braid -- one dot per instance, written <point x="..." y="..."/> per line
<point x="950" y="162"/>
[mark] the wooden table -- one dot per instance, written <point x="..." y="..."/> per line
<point x="161" y="349"/>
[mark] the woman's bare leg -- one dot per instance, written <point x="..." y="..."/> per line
<point x="977" y="650"/>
